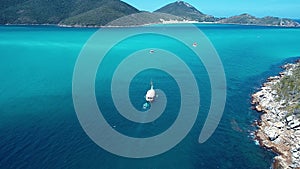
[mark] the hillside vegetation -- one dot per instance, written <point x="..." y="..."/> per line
<point x="144" y="18"/>
<point x="288" y="90"/>
<point x="82" y="12"/>
<point x="102" y="12"/>
<point x="186" y="11"/>
<point x="102" y="15"/>
<point x="251" y="20"/>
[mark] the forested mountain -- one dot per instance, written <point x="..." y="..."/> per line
<point x="114" y="12"/>
<point x="71" y="12"/>
<point x="186" y="11"/>
<point x="268" y="21"/>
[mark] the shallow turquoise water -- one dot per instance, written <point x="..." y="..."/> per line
<point x="39" y="127"/>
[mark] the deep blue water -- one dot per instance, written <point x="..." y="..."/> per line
<point x="297" y="20"/>
<point x="39" y="127"/>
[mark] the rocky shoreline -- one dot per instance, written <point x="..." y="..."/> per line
<point x="279" y="126"/>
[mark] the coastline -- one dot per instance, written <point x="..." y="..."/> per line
<point x="279" y="125"/>
<point x="163" y="23"/>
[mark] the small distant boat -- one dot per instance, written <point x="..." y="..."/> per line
<point x="151" y="51"/>
<point x="195" y="44"/>
<point x="150" y="96"/>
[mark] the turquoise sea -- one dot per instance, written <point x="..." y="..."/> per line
<point x="39" y="127"/>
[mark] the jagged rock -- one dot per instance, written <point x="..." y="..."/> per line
<point x="293" y="124"/>
<point x="289" y="118"/>
<point x="296" y="154"/>
<point x="282" y="102"/>
<point x="272" y="133"/>
<point x="272" y="78"/>
<point x="297" y="128"/>
<point x="258" y="108"/>
<point x="279" y="124"/>
<point x="274" y="92"/>
<point x="277" y="131"/>
<point x="278" y="141"/>
<point x="281" y="115"/>
<point x="297" y="134"/>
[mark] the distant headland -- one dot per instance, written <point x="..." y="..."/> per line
<point x="90" y="13"/>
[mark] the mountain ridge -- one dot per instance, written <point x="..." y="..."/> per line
<point x="60" y="11"/>
<point x="247" y="19"/>
<point x="97" y="13"/>
<point x="186" y="11"/>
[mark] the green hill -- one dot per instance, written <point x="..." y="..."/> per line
<point x="114" y="12"/>
<point x="268" y="21"/>
<point x="102" y="15"/>
<point x="144" y="18"/>
<point x="186" y="11"/>
<point x="83" y="12"/>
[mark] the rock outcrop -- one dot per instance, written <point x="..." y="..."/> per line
<point x="279" y="128"/>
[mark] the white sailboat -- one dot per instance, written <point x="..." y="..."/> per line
<point x="150" y="96"/>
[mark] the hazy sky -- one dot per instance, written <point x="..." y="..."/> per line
<point x="281" y="8"/>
